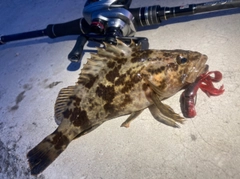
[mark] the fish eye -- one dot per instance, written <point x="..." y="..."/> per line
<point x="181" y="60"/>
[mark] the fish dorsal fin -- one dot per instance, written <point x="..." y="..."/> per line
<point x="103" y="59"/>
<point x="61" y="102"/>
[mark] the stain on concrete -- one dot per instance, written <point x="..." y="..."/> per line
<point x="14" y="108"/>
<point x="2" y="92"/>
<point x="51" y="85"/>
<point x="27" y="87"/>
<point x="18" y="99"/>
<point x="35" y="124"/>
<point x="54" y="84"/>
<point x="193" y="137"/>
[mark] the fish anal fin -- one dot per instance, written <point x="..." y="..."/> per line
<point x="131" y="118"/>
<point x="61" y="102"/>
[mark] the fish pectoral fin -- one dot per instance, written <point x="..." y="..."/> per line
<point x="61" y="103"/>
<point x="166" y="113"/>
<point x="155" y="88"/>
<point x="131" y="118"/>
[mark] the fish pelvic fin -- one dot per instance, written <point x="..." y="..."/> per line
<point x="41" y="156"/>
<point x="164" y="113"/>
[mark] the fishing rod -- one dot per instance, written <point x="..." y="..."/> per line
<point x="107" y="20"/>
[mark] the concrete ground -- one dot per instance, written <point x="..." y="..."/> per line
<point x="33" y="71"/>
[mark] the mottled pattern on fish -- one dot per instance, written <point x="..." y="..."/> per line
<point x="118" y="80"/>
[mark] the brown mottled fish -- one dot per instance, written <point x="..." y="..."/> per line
<point x="118" y="80"/>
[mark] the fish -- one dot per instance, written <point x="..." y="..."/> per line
<point x="118" y="80"/>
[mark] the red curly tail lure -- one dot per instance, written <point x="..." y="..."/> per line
<point x="205" y="83"/>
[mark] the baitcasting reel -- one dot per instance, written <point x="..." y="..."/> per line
<point x="110" y="17"/>
<point x="108" y="20"/>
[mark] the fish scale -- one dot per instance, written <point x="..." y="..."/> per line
<point x="116" y="81"/>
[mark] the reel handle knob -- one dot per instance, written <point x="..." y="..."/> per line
<point x="76" y="53"/>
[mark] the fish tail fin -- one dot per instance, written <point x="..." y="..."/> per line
<point x="42" y="155"/>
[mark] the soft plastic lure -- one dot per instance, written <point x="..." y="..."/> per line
<point x="205" y="83"/>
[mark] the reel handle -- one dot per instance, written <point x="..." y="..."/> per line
<point x="76" y="53"/>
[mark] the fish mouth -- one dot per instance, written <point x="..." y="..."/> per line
<point x="199" y="68"/>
